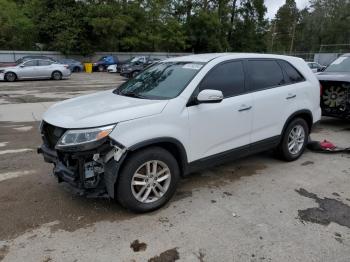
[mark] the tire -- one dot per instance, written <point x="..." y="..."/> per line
<point x="56" y="75"/>
<point x="300" y="140"/>
<point x="134" y="74"/>
<point x="101" y="68"/>
<point x="135" y="171"/>
<point x="76" y="69"/>
<point x="10" y="77"/>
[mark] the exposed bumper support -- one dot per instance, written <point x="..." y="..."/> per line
<point x="92" y="172"/>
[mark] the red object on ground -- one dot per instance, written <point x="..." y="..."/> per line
<point x="327" y="145"/>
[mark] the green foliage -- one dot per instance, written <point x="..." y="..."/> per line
<point x="16" y="29"/>
<point x="86" y="26"/>
<point x="324" y="22"/>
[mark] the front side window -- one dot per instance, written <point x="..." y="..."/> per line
<point x="264" y="74"/>
<point x="161" y="81"/>
<point x="342" y="64"/>
<point x="30" y="63"/>
<point x="227" y="78"/>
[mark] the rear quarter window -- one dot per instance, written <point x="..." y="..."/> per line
<point x="292" y="74"/>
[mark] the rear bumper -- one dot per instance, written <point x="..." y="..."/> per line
<point x="2" y="76"/>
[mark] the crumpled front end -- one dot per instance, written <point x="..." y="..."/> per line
<point x="91" y="170"/>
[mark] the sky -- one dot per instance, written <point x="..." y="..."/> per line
<point x="273" y="5"/>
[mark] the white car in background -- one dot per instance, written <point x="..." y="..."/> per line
<point x="112" y="68"/>
<point x="316" y="67"/>
<point x="35" y="69"/>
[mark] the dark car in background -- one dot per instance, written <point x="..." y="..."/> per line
<point x="335" y="82"/>
<point x="136" y="65"/>
<point x="74" y="65"/>
<point x="105" y="61"/>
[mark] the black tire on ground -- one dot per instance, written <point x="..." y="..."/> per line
<point x="124" y="193"/>
<point x="76" y="69"/>
<point x="134" y="74"/>
<point x="101" y="68"/>
<point x="10" y="77"/>
<point x="283" y="152"/>
<point x="56" y="75"/>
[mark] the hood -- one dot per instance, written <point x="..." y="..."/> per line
<point x="8" y="67"/>
<point x="334" y="76"/>
<point x="99" y="109"/>
<point x="7" y="64"/>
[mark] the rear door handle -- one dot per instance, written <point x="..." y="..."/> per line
<point x="244" y="108"/>
<point x="291" y="96"/>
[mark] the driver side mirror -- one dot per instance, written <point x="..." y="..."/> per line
<point x="210" y="96"/>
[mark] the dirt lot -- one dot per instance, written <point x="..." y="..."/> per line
<point x="254" y="209"/>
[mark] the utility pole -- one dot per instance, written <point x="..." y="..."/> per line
<point x="273" y="35"/>
<point x="293" y="35"/>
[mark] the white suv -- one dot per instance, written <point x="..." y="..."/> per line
<point x="133" y="143"/>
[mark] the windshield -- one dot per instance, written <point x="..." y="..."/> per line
<point x="160" y="81"/>
<point x="19" y="61"/>
<point x="342" y="64"/>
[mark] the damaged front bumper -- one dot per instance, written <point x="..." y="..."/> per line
<point x="92" y="172"/>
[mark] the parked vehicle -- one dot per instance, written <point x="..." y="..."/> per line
<point x="178" y="116"/>
<point x="136" y="65"/>
<point x="26" y="58"/>
<point x="316" y="67"/>
<point x="335" y="81"/>
<point x="35" y="69"/>
<point x="105" y="61"/>
<point x="74" y="65"/>
<point x="112" y="68"/>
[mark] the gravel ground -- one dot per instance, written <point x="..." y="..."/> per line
<point x="253" y="209"/>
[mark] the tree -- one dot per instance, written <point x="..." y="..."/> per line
<point x="285" y="23"/>
<point x="16" y="30"/>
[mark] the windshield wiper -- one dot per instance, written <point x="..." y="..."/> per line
<point x="131" y="94"/>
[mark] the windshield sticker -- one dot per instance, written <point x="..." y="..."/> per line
<point x="193" y="66"/>
<point x="339" y="60"/>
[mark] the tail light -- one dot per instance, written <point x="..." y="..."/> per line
<point x="321" y="89"/>
<point x="66" y="66"/>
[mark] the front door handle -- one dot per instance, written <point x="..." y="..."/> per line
<point x="244" y="108"/>
<point x="291" y="96"/>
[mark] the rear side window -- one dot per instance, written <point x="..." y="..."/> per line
<point x="227" y="78"/>
<point x="44" y="62"/>
<point x="292" y="75"/>
<point x="264" y="74"/>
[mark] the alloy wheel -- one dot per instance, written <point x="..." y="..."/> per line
<point x="296" y="139"/>
<point x="151" y="181"/>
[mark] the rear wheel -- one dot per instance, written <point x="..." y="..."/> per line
<point x="56" y="75"/>
<point x="148" y="180"/>
<point x="10" y="77"/>
<point x="294" y="140"/>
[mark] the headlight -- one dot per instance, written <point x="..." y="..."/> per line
<point x="2" y="71"/>
<point x="83" y="136"/>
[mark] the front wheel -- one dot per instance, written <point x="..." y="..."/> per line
<point x="101" y="68"/>
<point x="294" y="140"/>
<point x="10" y="77"/>
<point x="148" y="180"/>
